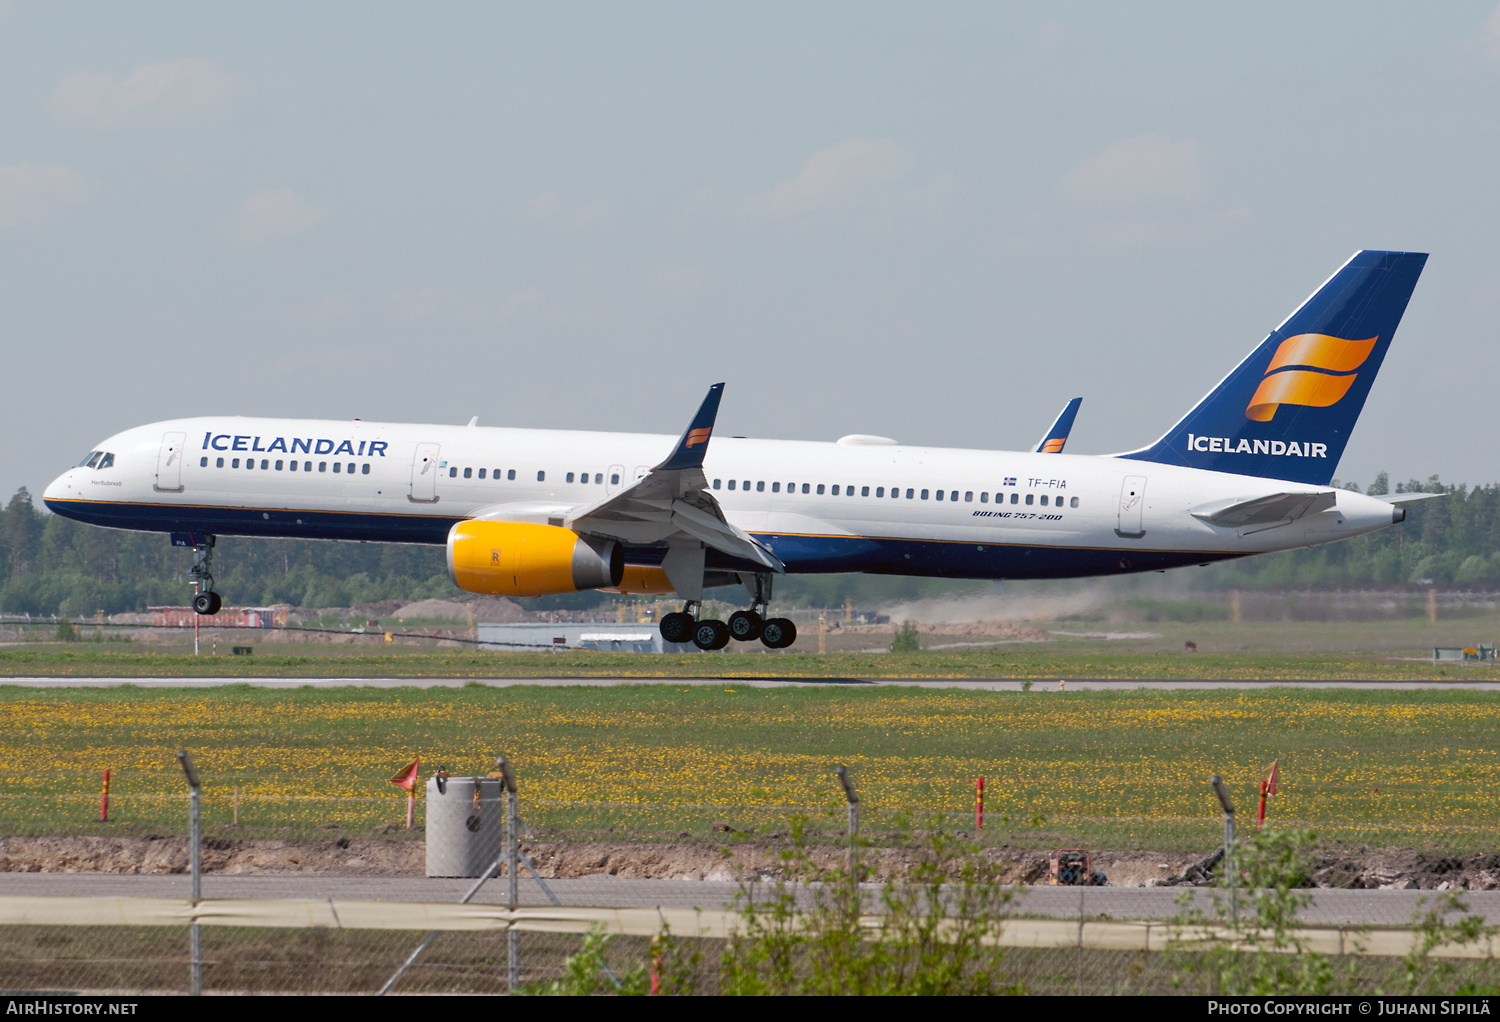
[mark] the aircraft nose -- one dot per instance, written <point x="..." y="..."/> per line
<point x="59" y="488"/>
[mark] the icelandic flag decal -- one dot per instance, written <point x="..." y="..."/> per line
<point x="1010" y="480"/>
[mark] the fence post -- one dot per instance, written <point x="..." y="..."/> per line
<point x="195" y="858"/>
<point x="512" y="938"/>
<point x="852" y="797"/>
<point x="1229" y="870"/>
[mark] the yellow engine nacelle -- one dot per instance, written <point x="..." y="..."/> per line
<point x="522" y="559"/>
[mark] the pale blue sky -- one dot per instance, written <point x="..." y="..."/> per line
<point x="934" y="222"/>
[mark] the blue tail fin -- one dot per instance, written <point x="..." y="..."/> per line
<point x="1056" y="437"/>
<point x="1286" y="412"/>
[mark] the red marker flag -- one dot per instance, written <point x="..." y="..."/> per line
<point x="1272" y="776"/>
<point x="408" y="777"/>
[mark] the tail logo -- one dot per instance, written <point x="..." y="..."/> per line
<point x="697" y="436"/>
<point x="1054" y="446"/>
<point x="1312" y="370"/>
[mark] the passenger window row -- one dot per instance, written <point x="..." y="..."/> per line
<point x="911" y="493"/>
<point x="541" y="477"/>
<point x="266" y="465"/>
<point x="483" y="473"/>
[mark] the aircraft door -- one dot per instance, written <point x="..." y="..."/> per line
<point x="424" y="470"/>
<point x="641" y="472"/>
<point x="1132" y="503"/>
<point x="614" y="482"/>
<point x="169" y="463"/>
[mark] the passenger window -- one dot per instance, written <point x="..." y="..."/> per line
<point x="864" y="491"/>
<point x="716" y="484"/>
<point x="1073" y="502"/>
<point x="598" y="478"/>
<point x="1015" y="497"/>
<point x="924" y="494"/>
<point x="293" y="466"/>
<point x="481" y="473"/>
<point x="910" y="492"/>
<point x="322" y="466"/>
<point x="731" y="484"/>
<point x="880" y="491"/>
<point x="218" y="463"/>
<point x="953" y="495"/>
<point x="1028" y="498"/>
<point x="468" y="473"/>
<point x="265" y="463"/>
<point x="512" y="474"/>
<point x="339" y="464"/>
<point x="278" y="464"/>
<point x="541" y="477"/>
<point x="365" y="469"/>
<point x="614" y="479"/>
<point x="307" y="466"/>
<point x="835" y="490"/>
<point x="760" y="486"/>
<point x="806" y="488"/>
<point x="351" y="467"/>
<point x="820" y="489"/>
<point x="968" y="496"/>
<point x="249" y="463"/>
<point x="570" y="477"/>
<point x="203" y="462"/>
<point x="745" y="485"/>
<point x="775" y="487"/>
<point x="452" y="472"/>
<point x="235" y="463"/>
<point x="1044" y="500"/>
<point x="939" y="494"/>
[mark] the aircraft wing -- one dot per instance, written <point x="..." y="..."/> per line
<point x="1408" y="498"/>
<point x="1273" y="509"/>
<point x="672" y="502"/>
<point x="1053" y="440"/>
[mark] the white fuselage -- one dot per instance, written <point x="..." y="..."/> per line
<point x="818" y="506"/>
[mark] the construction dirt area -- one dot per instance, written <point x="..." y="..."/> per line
<point x="1347" y="867"/>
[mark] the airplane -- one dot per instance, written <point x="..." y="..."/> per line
<point x="528" y="512"/>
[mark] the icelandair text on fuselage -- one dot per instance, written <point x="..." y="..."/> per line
<point x="1227" y="445"/>
<point x="230" y="442"/>
<point x="1274" y="1007"/>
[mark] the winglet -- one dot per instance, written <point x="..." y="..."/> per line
<point x="1052" y="442"/>
<point x="693" y="444"/>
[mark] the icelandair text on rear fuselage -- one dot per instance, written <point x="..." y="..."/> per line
<point x="1227" y="445"/>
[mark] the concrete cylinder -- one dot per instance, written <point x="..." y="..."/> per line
<point x="465" y="825"/>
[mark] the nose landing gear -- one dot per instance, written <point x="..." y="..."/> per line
<point x="205" y="600"/>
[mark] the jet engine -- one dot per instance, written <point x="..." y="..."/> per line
<point x="524" y="559"/>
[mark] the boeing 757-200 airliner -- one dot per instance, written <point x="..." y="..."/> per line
<point x="527" y="512"/>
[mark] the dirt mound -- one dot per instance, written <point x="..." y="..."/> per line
<point x="487" y="609"/>
<point x="1361" y="868"/>
<point x="356" y="856"/>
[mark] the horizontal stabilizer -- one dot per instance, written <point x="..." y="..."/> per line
<point x="1407" y="498"/>
<point x="1278" y="507"/>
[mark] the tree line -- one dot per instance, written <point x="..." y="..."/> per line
<point x="53" y="565"/>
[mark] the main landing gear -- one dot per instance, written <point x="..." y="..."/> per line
<point x="743" y="626"/>
<point x="205" y="600"/>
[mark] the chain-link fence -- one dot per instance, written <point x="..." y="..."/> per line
<point x="356" y="947"/>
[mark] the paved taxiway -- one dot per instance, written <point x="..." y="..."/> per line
<point x="1329" y="907"/>
<point x="985" y="684"/>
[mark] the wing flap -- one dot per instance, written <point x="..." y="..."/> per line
<point x="1267" y="510"/>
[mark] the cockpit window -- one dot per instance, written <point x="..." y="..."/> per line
<point x="89" y="459"/>
<point x="107" y="461"/>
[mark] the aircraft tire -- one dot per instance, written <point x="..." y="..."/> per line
<point x="778" y="633"/>
<point x="711" y="635"/>
<point x="677" y="627"/>
<point x="207" y="603"/>
<point x="745" y="625"/>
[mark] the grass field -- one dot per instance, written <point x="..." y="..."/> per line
<point x="1026" y="660"/>
<point x="1102" y="769"/>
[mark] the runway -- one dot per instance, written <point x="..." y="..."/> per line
<point x="1329" y="907"/>
<point x="1039" y="685"/>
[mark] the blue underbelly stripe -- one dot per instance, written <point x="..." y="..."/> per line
<point x="802" y="554"/>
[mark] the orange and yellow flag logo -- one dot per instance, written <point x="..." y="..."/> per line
<point x="697" y="436"/>
<point x="1055" y="445"/>
<point x="1291" y="379"/>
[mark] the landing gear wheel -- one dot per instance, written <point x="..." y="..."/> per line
<point x="778" y="633"/>
<point x="711" y="635"/>
<point x="745" y="625"/>
<point x="207" y="603"/>
<point x="677" y="627"/>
